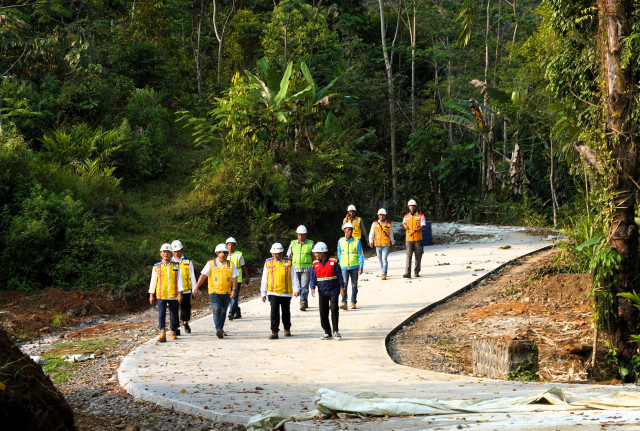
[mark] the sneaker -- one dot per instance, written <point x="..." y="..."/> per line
<point x="406" y="275"/>
<point x="230" y="316"/>
<point x="187" y="328"/>
<point x="173" y="335"/>
<point x="162" y="337"/>
<point x="337" y="335"/>
<point x="416" y="274"/>
<point x="220" y="333"/>
<point x="352" y="306"/>
<point x="273" y="336"/>
<point x="383" y="276"/>
<point x="287" y="333"/>
<point x="343" y="305"/>
<point x="325" y="337"/>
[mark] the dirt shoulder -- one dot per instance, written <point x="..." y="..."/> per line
<point x="529" y="299"/>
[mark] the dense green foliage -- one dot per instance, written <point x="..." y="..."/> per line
<point x="125" y="124"/>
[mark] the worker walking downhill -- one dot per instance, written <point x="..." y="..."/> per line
<point x="279" y="283"/>
<point x="236" y="257"/>
<point x="413" y="223"/>
<point x="359" y="230"/>
<point x="381" y="236"/>
<point x="351" y="258"/>
<point x="327" y="275"/>
<point x="188" y="283"/>
<point x="166" y="287"/>
<point x="222" y="278"/>
<point x="300" y="252"/>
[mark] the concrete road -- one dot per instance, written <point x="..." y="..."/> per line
<point x="246" y="373"/>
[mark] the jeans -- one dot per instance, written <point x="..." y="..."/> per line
<point x="234" y="308"/>
<point x="277" y="303"/>
<point x="219" y="304"/>
<point x="304" y="278"/>
<point x="327" y="303"/>
<point x="383" y="253"/>
<point x="185" y="308"/>
<point x="173" y="314"/>
<point x="413" y="247"/>
<point x="353" y="273"/>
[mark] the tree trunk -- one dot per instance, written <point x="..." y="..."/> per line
<point x="220" y="34"/>
<point x="618" y="92"/>
<point x="197" y="52"/>
<point x="554" y="200"/>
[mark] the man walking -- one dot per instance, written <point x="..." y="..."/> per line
<point x="327" y="275"/>
<point x="300" y="252"/>
<point x="279" y="283"/>
<point x="166" y="287"/>
<point x="413" y="223"/>
<point x="236" y="257"/>
<point x="186" y="273"/>
<point x="223" y="285"/>
<point x="351" y="260"/>
<point x="381" y="236"/>
<point x="359" y="230"/>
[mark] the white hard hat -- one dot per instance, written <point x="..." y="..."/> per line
<point x="320" y="247"/>
<point x="351" y="208"/>
<point x="230" y="239"/>
<point x="277" y="248"/>
<point x="176" y="245"/>
<point x="412" y="202"/>
<point x="382" y="211"/>
<point x="221" y="247"/>
<point x="165" y="247"/>
<point x="346" y="225"/>
<point x="301" y="229"/>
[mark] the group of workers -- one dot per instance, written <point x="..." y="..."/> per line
<point x="305" y="267"/>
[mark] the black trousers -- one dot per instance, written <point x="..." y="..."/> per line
<point x="277" y="303"/>
<point x="185" y="307"/>
<point x="325" y="304"/>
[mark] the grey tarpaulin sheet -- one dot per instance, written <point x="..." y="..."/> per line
<point x="328" y="402"/>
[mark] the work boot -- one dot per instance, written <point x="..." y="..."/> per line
<point x="178" y="331"/>
<point x="163" y="336"/>
<point x="187" y="328"/>
<point x="273" y="336"/>
<point x="238" y="315"/>
<point x="352" y="305"/>
<point x="383" y="276"/>
<point x="173" y="335"/>
<point x="230" y="316"/>
<point x="343" y="305"/>
<point x="406" y="275"/>
<point x="303" y="305"/>
<point x="416" y="274"/>
<point x="287" y="333"/>
<point x="220" y="333"/>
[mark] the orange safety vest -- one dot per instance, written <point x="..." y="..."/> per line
<point x="220" y="277"/>
<point x="279" y="276"/>
<point x="381" y="235"/>
<point x="413" y="222"/>
<point x="166" y="280"/>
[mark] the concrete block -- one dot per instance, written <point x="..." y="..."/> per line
<point x="496" y="356"/>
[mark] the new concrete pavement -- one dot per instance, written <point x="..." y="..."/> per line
<point x="245" y="373"/>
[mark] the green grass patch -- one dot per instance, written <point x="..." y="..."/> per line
<point x="61" y="371"/>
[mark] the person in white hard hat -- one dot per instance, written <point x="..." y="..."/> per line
<point x="359" y="231"/>
<point x="187" y="274"/>
<point x="351" y="258"/>
<point x="381" y="236"/>
<point x="327" y="276"/>
<point x="300" y="252"/>
<point x="222" y="277"/>
<point x="413" y="222"/>
<point x="166" y="288"/>
<point x="237" y="258"/>
<point x="279" y="284"/>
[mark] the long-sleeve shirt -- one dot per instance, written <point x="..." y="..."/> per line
<point x="339" y="281"/>
<point x="154" y="279"/>
<point x="192" y="276"/>
<point x="263" y="285"/>
<point x="360" y="254"/>
<point x="371" y="233"/>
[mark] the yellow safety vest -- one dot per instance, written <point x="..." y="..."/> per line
<point x="235" y="259"/>
<point x="413" y="222"/>
<point x="357" y="230"/>
<point x="185" y="264"/>
<point x="220" y="277"/>
<point x="166" y="280"/>
<point x="381" y="235"/>
<point x="279" y="276"/>
<point x="349" y="252"/>
<point x="302" y="256"/>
